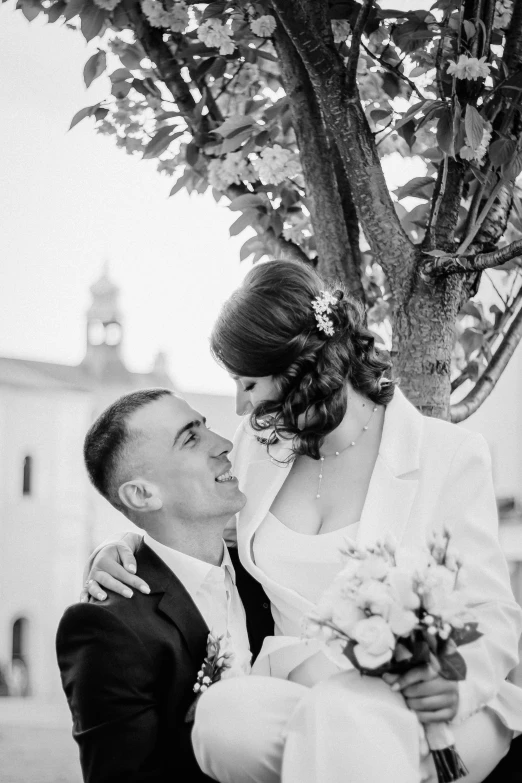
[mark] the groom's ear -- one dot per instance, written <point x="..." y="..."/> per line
<point x="140" y="496"/>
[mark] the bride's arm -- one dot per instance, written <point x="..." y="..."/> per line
<point x="112" y="566"/>
<point x="469" y="511"/>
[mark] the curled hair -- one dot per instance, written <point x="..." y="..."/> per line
<point x="268" y="328"/>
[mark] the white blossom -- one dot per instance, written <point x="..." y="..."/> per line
<point x="341" y="30"/>
<point x="178" y="17"/>
<point x="106" y="128"/>
<point x="215" y="33"/>
<point x="293" y="234"/>
<point x="503" y="13"/>
<point x="117" y="46"/>
<point x="264" y="26"/>
<point x="276" y="164"/>
<point x="108" y="5"/>
<point x="469" y="68"/>
<point x="468" y="153"/>
<point x="167" y="166"/>
<point x="231" y="170"/>
<point x="376" y="642"/>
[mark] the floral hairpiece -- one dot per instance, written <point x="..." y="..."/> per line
<point x="322" y="306"/>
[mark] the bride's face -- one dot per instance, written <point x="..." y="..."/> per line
<point x="251" y="391"/>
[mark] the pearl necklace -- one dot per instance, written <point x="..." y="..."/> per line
<point x="349" y="446"/>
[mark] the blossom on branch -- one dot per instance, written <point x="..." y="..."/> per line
<point x="215" y="33"/>
<point x="468" y="153"/>
<point x="264" y="26"/>
<point x="276" y="164"/>
<point x="176" y="19"/>
<point x="503" y="13"/>
<point x="469" y="68"/>
<point x="341" y="30"/>
<point x="231" y="170"/>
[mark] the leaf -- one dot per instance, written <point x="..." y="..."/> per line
<point x="92" y="22"/>
<point x="502" y="151"/>
<point x="94" y="67"/>
<point x="247" y="201"/>
<point x="410" y="114"/>
<point x="31" y="9"/>
<point x="512" y="169"/>
<point x="407" y="132"/>
<point x="213" y="10"/>
<point x="160" y="141"/>
<point x="471" y="340"/>
<point x="100" y="114"/>
<point x="55" y="11"/>
<point x="233" y="125"/>
<point x="120" y="75"/>
<point x="380" y="114"/>
<point x="445" y="133"/>
<point x="469" y="633"/>
<point x="474" y="126"/>
<point x="131" y="58"/>
<point x="252" y="245"/>
<point x="179" y="184"/>
<point x="120" y="90"/>
<point x="469" y="28"/>
<point x="82" y="114"/>
<point x="452" y="667"/>
<point x="73" y="8"/>
<point x="192" y="153"/>
<point x="244" y="221"/>
<point x="233" y="143"/>
<point x="419" y="187"/>
<point x="436" y="253"/>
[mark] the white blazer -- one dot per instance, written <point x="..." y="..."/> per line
<point x="428" y="474"/>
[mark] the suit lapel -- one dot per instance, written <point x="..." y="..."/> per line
<point x="394" y="481"/>
<point x="175" y="603"/>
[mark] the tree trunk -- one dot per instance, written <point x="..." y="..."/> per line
<point x="336" y="257"/>
<point x="423" y="339"/>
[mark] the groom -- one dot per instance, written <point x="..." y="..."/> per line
<point x="129" y="667"/>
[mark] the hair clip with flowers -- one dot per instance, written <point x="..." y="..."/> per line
<point x="322" y="306"/>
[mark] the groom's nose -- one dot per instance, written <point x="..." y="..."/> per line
<point x="220" y="446"/>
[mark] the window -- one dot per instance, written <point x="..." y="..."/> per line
<point x="28" y="476"/>
<point x="18" y="680"/>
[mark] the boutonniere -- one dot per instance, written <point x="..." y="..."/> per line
<point x="215" y="663"/>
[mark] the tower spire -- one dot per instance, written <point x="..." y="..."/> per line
<point x="104" y="326"/>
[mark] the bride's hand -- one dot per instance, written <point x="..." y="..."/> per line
<point x="430" y="695"/>
<point x="113" y="568"/>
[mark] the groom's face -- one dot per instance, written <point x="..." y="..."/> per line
<point x="185" y="461"/>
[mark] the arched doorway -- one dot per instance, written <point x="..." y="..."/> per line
<point x="18" y="679"/>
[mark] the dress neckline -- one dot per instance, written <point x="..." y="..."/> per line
<point x="310" y="535"/>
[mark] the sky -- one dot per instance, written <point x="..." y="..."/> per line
<point x="70" y="200"/>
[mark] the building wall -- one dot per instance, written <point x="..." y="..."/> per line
<point x="42" y="535"/>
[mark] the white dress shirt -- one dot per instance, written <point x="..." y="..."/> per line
<point x="213" y="590"/>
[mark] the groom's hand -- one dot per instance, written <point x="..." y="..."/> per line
<point x="113" y="568"/>
<point x="430" y="695"/>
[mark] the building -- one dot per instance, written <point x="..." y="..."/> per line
<point x="50" y="516"/>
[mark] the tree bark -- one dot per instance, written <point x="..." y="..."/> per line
<point x="336" y="257"/>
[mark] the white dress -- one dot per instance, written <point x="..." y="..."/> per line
<point x="306" y="565"/>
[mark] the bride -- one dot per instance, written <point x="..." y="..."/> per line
<point x="330" y="451"/>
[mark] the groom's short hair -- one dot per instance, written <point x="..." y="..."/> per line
<point x="107" y="438"/>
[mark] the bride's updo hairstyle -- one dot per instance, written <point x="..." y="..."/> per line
<point x="269" y="327"/>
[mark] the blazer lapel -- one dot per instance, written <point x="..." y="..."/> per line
<point x="263" y="480"/>
<point x="394" y="481"/>
<point x="175" y="603"/>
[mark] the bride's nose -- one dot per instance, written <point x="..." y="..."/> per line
<point x="243" y="404"/>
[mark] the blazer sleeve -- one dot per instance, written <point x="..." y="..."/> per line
<point x="469" y="510"/>
<point x="107" y="678"/>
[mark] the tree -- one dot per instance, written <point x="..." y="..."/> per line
<point x="287" y="107"/>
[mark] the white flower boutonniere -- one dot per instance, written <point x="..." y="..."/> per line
<point x="216" y="662"/>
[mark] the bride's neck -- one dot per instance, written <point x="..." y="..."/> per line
<point x="358" y="414"/>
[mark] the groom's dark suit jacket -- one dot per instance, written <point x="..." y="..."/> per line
<point x="128" y="668"/>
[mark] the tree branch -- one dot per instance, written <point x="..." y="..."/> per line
<point x="336" y="255"/>
<point x="461" y="265"/>
<point x="355" y="46"/>
<point x="349" y="127"/>
<point x="394" y="69"/>
<point x="488" y="380"/>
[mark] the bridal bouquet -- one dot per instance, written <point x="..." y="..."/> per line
<point x="391" y="610"/>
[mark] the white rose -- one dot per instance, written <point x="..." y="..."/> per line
<point x="376" y="642"/>
<point x="346" y="614"/>
<point x="402" y="621"/>
<point x="373" y="567"/>
<point x="401" y="583"/>
<point x="375" y="596"/>
<point x="414" y="560"/>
